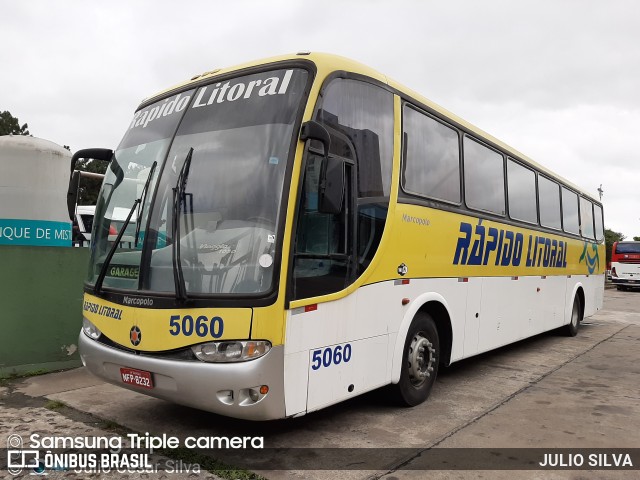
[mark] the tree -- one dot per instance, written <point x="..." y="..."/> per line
<point x="9" y="125"/>
<point x="636" y="239"/>
<point x="90" y="187"/>
<point x="610" y="237"/>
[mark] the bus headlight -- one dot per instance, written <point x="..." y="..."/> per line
<point x="235" y="351"/>
<point x="90" y="330"/>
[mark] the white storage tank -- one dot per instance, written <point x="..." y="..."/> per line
<point x="34" y="177"/>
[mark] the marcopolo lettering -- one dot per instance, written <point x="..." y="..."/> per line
<point x="480" y="245"/>
<point x="417" y="220"/>
<point x="138" y="301"/>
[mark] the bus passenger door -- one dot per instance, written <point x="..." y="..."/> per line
<point x="343" y="347"/>
<point x="324" y="262"/>
<point x="324" y="242"/>
<point x="337" y="348"/>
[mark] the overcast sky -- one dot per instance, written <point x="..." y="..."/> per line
<point x="557" y="80"/>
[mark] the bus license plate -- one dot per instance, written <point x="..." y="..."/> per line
<point x="137" y="378"/>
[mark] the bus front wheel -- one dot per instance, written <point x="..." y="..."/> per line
<point x="421" y="356"/>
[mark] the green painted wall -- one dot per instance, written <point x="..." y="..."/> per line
<point x="40" y="307"/>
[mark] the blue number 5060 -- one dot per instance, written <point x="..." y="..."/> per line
<point x="200" y="326"/>
<point x="331" y="356"/>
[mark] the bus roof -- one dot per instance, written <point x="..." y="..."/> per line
<point x="327" y="63"/>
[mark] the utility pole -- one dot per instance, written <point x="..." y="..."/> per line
<point x="600" y="191"/>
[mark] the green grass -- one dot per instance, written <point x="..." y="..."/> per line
<point x="111" y="426"/>
<point x="33" y="373"/>
<point x="7" y="377"/>
<point x="54" y="405"/>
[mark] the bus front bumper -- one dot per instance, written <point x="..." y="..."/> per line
<point x="224" y="388"/>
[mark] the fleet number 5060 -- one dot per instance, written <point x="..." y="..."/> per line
<point x="201" y="326"/>
<point x="325" y="357"/>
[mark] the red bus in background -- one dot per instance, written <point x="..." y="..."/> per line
<point x="625" y="265"/>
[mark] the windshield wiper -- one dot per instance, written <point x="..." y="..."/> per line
<point x="116" y="242"/>
<point x="178" y="197"/>
<point x="143" y="197"/>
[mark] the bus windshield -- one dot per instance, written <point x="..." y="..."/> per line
<point x="216" y="162"/>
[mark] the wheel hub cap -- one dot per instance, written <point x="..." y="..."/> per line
<point x="421" y="358"/>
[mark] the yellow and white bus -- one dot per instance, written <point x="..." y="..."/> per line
<point x="303" y="229"/>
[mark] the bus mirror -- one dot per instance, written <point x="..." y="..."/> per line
<point x="331" y="191"/>
<point x="72" y="194"/>
<point x="103" y="154"/>
<point x="313" y="130"/>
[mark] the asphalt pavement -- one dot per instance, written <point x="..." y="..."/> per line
<point x="548" y="392"/>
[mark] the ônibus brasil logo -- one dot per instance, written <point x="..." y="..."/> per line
<point x="18" y="458"/>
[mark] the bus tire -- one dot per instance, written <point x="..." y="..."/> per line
<point x="571" y="329"/>
<point x="420" y="359"/>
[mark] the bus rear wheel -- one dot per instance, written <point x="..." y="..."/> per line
<point x="421" y="356"/>
<point x="571" y="330"/>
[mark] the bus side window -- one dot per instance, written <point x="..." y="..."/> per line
<point x="363" y="112"/>
<point x="570" y="216"/>
<point x="597" y="210"/>
<point x="586" y="219"/>
<point x="319" y="232"/>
